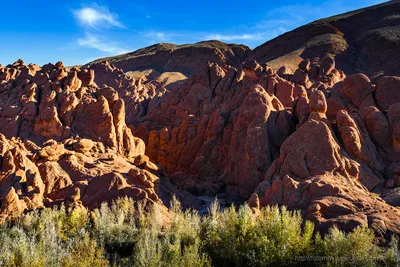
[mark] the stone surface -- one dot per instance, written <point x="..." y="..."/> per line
<point x="64" y="139"/>
<point x="311" y="139"/>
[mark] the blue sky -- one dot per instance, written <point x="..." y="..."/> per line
<point x="77" y="32"/>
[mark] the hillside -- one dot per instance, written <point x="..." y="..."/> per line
<point x="184" y="59"/>
<point x="366" y="40"/>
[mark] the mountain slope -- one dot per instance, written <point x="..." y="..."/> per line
<point x="186" y="59"/>
<point x="366" y="40"/>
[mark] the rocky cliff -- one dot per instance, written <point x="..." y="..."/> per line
<point x="64" y="139"/>
<point x="315" y="140"/>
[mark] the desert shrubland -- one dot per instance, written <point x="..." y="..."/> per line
<point x="124" y="233"/>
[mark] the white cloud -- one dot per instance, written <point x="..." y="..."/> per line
<point x="92" y="41"/>
<point x="94" y="19"/>
<point x="97" y="16"/>
<point x="181" y="37"/>
<point x="261" y="35"/>
<point x="233" y="37"/>
<point x="223" y="37"/>
<point x="97" y="19"/>
<point x="162" y="36"/>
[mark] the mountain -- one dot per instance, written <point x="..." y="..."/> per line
<point x="365" y="40"/>
<point x="178" y="61"/>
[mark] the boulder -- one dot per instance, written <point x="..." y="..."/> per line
<point x="387" y="91"/>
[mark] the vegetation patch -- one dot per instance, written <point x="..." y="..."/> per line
<point x="124" y="235"/>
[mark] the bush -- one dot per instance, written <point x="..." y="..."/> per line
<point x="123" y="234"/>
<point x="243" y="238"/>
<point x="50" y="237"/>
<point x="178" y="244"/>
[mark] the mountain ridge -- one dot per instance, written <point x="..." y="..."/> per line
<point x="352" y="38"/>
<point x="164" y="57"/>
<point x="332" y="36"/>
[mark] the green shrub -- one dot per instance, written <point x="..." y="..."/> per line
<point x="124" y="234"/>
<point x="50" y="237"/>
<point x="177" y="245"/>
<point x="355" y="249"/>
<point x="242" y="238"/>
<point x="84" y="252"/>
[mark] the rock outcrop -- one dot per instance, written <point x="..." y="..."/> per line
<point x="340" y="165"/>
<point x="63" y="139"/>
<point x="224" y="126"/>
<point x="312" y="139"/>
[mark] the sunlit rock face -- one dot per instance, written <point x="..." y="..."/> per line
<point x="312" y="139"/>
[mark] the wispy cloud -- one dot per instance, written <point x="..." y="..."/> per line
<point x="288" y="17"/>
<point x="180" y="37"/>
<point x="157" y="35"/>
<point x="92" y="41"/>
<point x="94" y="20"/>
<point x="284" y="18"/>
<point x="97" y="16"/>
<point x="99" y="25"/>
<point x="292" y="16"/>
<point x="165" y="36"/>
<point x="223" y="37"/>
<point x="262" y="35"/>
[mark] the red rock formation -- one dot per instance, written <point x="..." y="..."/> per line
<point x="334" y="168"/>
<point x="314" y="140"/>
<point x="216" y="126"/>
<point x="44" y="160"/>
<point x="227" y="130"/>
